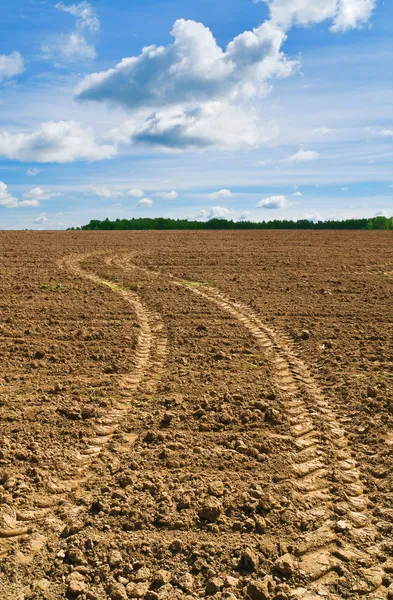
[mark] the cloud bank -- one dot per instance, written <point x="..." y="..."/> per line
<point x="10" y="65"/>
<point x="60" y="142"/>
<point x="9" y="201"/>
<point x="344" y="14"/>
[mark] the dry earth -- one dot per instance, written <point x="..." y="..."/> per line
<point x="196" y="415"/>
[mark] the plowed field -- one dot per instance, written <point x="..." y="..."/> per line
<point x="196" y="415"/>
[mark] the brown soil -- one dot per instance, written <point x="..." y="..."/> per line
<point x="196" y="415"/>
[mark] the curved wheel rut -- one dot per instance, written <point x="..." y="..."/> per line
<point x="327" y="480"/>
<point x="149" y="359"/>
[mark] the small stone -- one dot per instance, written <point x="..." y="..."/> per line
<point x="167" y="419"/>
<point x="211" y="510"/>
<point x="137" y="590"/>
<point x="230" y="582"/>
<point x="214" y="585"/>
<point x="342" y="526"/>
<point x="115" y="558"/>
<point x="75" y="588"/>
<point x="216" y="488"/>
<point x="249" y="560"/>
<point x="142" y="575"/>
<point x="261" y="590"/>
<point x="161" y="578"/>
<point x="285" y="566"/>
<point x="186" y="582"/>
<point x="175" y="546"/>
<point x="260" y="524"/>
<point x="117" y="591"/>
<point x="75" y="556"/>
<point x="304" y="335"/>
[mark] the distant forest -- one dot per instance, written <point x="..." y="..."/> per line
<point x="161" y="223"/>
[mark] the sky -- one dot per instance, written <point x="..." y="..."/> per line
<point x="248" y="110"/>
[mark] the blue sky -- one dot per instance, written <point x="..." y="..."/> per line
<point x="257" y="110"/>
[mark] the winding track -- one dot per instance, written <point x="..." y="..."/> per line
<point x="149" y="360"/>
<point x="344" y="534"/>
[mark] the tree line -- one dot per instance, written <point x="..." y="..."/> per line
<point x="161" y="223"/>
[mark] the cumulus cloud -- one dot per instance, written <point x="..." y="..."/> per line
<point x="32" y="172"/>
<point x="244" y="216"/>
<point x="218" y="212"/>
<point x="322" y="130"/>
<point x="304" y="156"/>
<point x="192" y="69"/>
<point x="145" y="202"/>
<point x="84" y="13"/>
<point x="274" y="202"/>
<point x="345" y="14"/>
<point x="382" y="213"/>
<point x="39" y="194"/>
<point x="105" y="192"/>
<point x="10" y="65"/>
<point x="207" y="125"/>
<point x="263" y="163"/>
<point x="134" y="193"/>
<point x="386" y="132"/>
<point x="41" y="220"/>
<point x="72" y="47"/>
<point x="297" y="194"/>
<point x="54" y="142"/>
<point x="314" y="217"/>
<point x="9" y="201"/>
<point x="167" y="195"/>
<point x="221" y="194"/>
<point x="76" y="45"/>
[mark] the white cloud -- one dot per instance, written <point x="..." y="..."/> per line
<point x="314" y="217"/>
<point x="192" y="69"/>
<point x="72" y="47"/>
<point x="41" y="220"/>
<point x="75" y="46"/>
<point x="10" y="65"/>
<point x="145" y="202"/>
<point x="9" y="201"/>
<point x="352" y="14"/>
<point x="345" y="14"/>
<point x="84" y="14"/>
<point x="218" y="212"/>
<point x="297" y="194"/>
<point x="386" y="132"/>
<point x="32" y="172"/>
<point x="105" y="192"/>
<point x="221" y="194"/>
<point x="322" y="130"/>
<point x="54" y="142"/>
<point x="207" y="125"/>
<point x="167" y="195"/>
<point x="274" y="202"/>
<point x="344" y="189"/>
<point x="244" y="216"/>
<point x="382" y="213"/>
<point x="134" y="193"/>
<point x="39" y="194"/>
<point x="304" y="156"/>
<point x="263" y="163"/>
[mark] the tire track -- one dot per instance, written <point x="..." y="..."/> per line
<point x="150" y="356"/>
<point x="344" y="538"/>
